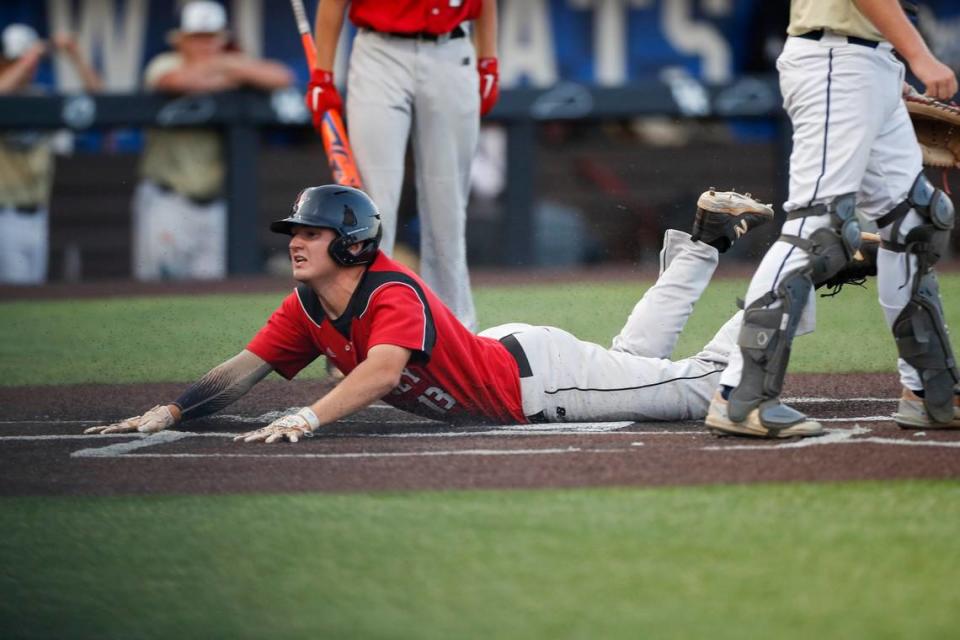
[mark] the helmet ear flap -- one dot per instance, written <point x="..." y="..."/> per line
<point x="339" y="250"/>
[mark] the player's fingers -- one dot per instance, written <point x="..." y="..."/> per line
<point x="274" y="437"/>
<point x="114" y="428"/>
<point x="244" y="436"/>
<point x="130" y="424"/>
<point x="292" y="435"/>
<point x="98" y="429"/>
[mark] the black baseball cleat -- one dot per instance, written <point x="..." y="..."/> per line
<point x="723" y="217"/>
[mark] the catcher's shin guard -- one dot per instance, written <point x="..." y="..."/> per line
<point x="765" y="339"/>
<point x="920" y="330"/>
<point x="923" y="343"/>
<point x="767" y="333"/>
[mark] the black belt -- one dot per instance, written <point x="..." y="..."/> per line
<point x="513" y="347"/>
<point x="818" y="34"/>
<point x="200" y="202"/>
<point x="26" y="209"/>
<point x="458" y="32"/>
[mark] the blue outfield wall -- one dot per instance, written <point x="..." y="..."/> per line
<point x="602" y="42"/>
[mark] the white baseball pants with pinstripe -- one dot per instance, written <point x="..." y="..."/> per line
<point x="851" y="134"/>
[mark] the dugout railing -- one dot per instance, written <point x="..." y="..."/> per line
<point x="242" y="114"/>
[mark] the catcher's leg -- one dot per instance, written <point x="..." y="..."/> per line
<point x="919" y="230"/>
<point x="770" y="323"/>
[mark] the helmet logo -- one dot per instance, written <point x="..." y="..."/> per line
<point x="299" y="202"/>
<point x="349" y="217"/>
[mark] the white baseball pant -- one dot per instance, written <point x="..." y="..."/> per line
<point x="24" y="240"/>
<point x="175" y="238"/>
<point x="396" y="87"/>
<point x="851" y="134"/>
<point x="573" y="380"/>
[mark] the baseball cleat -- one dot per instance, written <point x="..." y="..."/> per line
<point x="723" y="217"/>
<point x="911" y="414"/>
<point x="719" y="423"/>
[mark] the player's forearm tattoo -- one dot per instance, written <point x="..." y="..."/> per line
<point x="222" y="385"/>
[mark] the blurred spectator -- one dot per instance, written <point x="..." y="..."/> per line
<point x="179" y="210"/>
<point x="26" y="157"/>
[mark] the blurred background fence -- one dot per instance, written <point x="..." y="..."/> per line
<point x="614" y="115"/>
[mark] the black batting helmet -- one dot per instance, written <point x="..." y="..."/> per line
<point x="348" y="211"/>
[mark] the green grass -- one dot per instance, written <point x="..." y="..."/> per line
<point x="180" y="338"/>
<point x="865" y="560"/>
<point x="869" y="560"/>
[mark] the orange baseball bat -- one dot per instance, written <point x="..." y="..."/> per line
<point x="336" y="144"/>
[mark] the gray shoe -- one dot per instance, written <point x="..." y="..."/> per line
<point x="719" y="422"/>
<point x="911" y="414"/>
<point x="723" y="217"/>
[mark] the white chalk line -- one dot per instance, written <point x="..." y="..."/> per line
<point x="341" y="435"/>
<point x="270" y="416"/>
<point x="38" y="421"/>
<point x="837" y="436"/>
<point x="122" y="448"/>
<point x="386" y="454"/>
<point x="800" y="400"/>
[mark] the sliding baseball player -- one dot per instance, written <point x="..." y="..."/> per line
<point x="395" y="340"/>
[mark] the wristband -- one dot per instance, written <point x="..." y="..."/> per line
<point x="307" y="414"/>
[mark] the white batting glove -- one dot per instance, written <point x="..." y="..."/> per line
<point x="293" y="427"/>
<point x="156" y="419"/>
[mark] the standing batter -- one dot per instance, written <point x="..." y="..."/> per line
<point x="853" y="148"/>
<point x="397" y="341"/>
<point x="414" y="73"/>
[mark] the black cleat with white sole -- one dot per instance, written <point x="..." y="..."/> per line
<point x="723" y="217"/>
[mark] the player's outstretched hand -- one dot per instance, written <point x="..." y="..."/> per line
<point x="292" y="428"/>
<point x="157" y="419"/>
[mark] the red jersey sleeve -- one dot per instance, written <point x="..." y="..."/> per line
<point x="399" y="315"/>
<point x="285" y="341"/>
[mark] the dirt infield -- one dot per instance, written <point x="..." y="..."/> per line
<point x="44" y="452"/>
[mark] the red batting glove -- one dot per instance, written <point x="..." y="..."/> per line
<point x="321" y="95"/>
<point x="489" y="84"/>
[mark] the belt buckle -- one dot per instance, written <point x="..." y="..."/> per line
<point x="444" y="38"/>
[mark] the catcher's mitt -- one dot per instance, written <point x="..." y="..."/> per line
<point x="863" y="265"/>
<point x="938" y="129"/>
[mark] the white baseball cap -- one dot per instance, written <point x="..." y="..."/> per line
<point x="203" y="16"/>
<point x="199" y="16"/>
<point x="17" y="40"/>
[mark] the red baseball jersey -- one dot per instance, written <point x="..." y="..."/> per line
<point x="453" y="375"/>
<point x="413" y="16"/>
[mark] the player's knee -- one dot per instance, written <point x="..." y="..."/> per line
<point x="829" y="234"/>
<point x="923" y="220"/>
